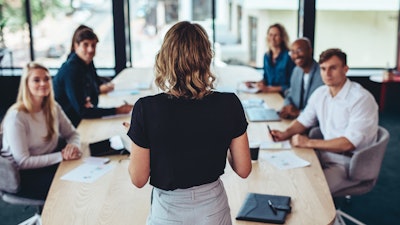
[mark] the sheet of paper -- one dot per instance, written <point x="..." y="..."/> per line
<point x="96" y="160"/>
<point x="117" y="116"/>
<point x="243" y="88"/>
<point x="123" y="92"/>
<point x="275" y="145"/>
<point x="87" y="172"/>
<point x="285" y="160"/>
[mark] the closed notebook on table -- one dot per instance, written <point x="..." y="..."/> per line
<point x="256" y="208"/>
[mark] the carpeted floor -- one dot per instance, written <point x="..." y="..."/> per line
<point x="378" y="207"/>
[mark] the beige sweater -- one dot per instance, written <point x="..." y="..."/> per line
<point x="23" y="138"/>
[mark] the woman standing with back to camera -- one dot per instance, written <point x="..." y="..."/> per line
<point x="181" y="137"/>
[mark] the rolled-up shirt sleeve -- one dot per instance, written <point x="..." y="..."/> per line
<point x="363" y="120"/>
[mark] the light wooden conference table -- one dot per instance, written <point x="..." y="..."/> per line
<point x="113" y="200"/>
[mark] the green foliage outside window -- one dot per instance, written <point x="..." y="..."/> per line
<point x="13" y="13"/>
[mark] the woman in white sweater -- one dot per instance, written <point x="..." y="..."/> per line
<point x="32" y="129"/>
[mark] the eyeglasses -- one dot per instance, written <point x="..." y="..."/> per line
<point x="297" y="51"/>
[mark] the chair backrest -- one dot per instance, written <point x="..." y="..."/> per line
<point x="366" y="163"/>
<point x="9" y="175"/>
<point x="9" y="183"/>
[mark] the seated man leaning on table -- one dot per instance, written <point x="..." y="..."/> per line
<point x="306" y="77"/>
<point x="347" y="114"/>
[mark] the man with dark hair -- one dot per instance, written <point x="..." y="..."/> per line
<point x="305" y="79"/>
<point x="347" y="116"/>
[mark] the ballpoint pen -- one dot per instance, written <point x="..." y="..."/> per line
<point x="126" y="103"/>
<point x="272" y="207"/>
<point x="270" y="132"/>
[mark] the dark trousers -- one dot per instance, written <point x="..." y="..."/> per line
<point x="35" y="183"/>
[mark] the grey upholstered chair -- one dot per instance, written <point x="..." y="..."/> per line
<point x="365" y="165"/>
<point x="9" y="187"/>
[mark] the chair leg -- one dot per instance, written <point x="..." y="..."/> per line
<point x="340" y="221"/>
<point x="34" y="220"/>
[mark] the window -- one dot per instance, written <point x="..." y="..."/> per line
<point x="244" y="43"/>
<point x="151" y="19"/>
<point x="54" y="25"/>
<point x="14" y="34"/>
<point x="365" y="30"/>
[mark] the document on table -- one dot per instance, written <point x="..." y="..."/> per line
<point x="275" y="145"/>
<point x="123" y="92"/>
<point x="87" y="172"/>
<point x="286" y="160"/>
<point x="243" y="88"/>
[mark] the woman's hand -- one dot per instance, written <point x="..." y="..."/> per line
<point x="71" y="152"/>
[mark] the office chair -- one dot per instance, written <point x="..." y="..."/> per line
<point x="9" y="187"/>
<point x="365" y="165"/>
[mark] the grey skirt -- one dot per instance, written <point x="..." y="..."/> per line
<point x="201" y="205"/>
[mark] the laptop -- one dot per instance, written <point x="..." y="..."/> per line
<point x="261" y="114"/>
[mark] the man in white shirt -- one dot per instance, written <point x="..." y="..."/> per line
<point x="347" y="115"/>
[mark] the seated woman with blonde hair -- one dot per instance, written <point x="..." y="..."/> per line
<point x="32" y="128"/>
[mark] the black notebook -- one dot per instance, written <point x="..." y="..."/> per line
<point x="257" y="208"/>
<point x="111" y="146"/>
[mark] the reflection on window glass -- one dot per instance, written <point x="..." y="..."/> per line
<point x="244" y="41"/>
<point x="54" y="24"/>
<point x="14" y="36"/>
<point x="150" y="19"/>
<point x="367" y="32"/>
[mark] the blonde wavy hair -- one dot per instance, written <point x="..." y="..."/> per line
<point x="182" y="66"/>
<point x="24" y="99"/>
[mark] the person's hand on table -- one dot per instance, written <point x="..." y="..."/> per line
<point x="300" y="141"/>
<point x="250" y="84"/>
<point x="71" y="152"/>
<point x="277" y="135"/>
<point x="107" y="87"/>
<point x="124" y="109"/>
<point x="289" y="112"/>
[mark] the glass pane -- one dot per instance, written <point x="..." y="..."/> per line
<point x="14" y="35"/>
<point x="55" y="22"/>
<point x="150" y="20"/>
<point x="365" y="30"/>
<point x="235" y="35"/>
<point x="241" y="28"/>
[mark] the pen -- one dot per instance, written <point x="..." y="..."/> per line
<point x="270" y="132"/>
<point x="272" y="206"/>
<point x="126" y="103"/>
